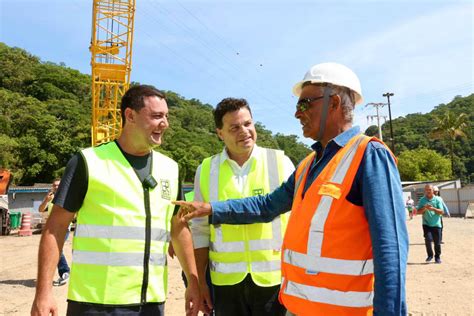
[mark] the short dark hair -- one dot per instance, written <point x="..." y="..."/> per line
<point x="228" y="105"/>
<point x="134" y="98"/>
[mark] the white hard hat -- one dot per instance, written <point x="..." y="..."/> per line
<point x="435" y="188"/>
<point x="332" y="73"/>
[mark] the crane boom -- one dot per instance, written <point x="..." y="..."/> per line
<point x="111" y="48"/>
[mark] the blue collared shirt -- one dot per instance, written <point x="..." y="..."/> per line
<point x="376" y="187"/>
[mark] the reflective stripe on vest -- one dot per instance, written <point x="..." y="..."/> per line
<point x="261" y="244"/>
<point x="312" y="260"/>
<point x="236" y="250"/>
<point x="117" y="259"/>
<point x="308" y="161"/>
<point x="327" y="296"/>
<point x="328" y="265"/>
<point x="257" y="266"/>
<point x="122" y="230"/>
<point x="118" y="232"/>
<point x="239" y="246"/>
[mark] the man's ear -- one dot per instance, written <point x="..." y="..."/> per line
<point x="129" y="115"/>
<point x="219" y="133"/>
<point x="335" y="101"/>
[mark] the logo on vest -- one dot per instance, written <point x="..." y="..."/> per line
<point x="165" y="189"/>
<point x="257" y="192"/>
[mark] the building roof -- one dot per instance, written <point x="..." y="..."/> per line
<point x="36" y="188"/>
<point x="414" y="185"/>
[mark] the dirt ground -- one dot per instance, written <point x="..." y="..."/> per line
<point x="432" y="289"/>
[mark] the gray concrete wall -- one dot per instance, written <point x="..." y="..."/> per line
<point x="26" y="202"/>
<point x="457" y="200"/>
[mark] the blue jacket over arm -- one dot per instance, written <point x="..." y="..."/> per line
<point x="376" y="187"/>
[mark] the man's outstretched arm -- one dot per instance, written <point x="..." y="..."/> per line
<point x="255" y="209"/>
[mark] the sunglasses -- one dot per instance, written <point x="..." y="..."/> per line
<point x="303" y="104"/>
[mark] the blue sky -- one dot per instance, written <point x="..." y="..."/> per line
<point x="422" y="51"/>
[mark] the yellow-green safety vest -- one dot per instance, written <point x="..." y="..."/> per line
<point x="49" y="207"/>
<point x="189" y="197"/>
<point x="236" y="250"/>
<point x="123" y="231"/>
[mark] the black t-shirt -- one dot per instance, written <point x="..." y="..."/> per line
<point x="74" y="183"/>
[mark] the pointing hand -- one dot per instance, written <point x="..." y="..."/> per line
<point x="190" y="210"/>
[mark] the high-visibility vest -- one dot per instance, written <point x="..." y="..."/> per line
<point x="236" y="250"/>
<point x="189" y="197"/>
<point x="327" y="261"/>
<point x="123" y="231"/>
<point x="49" y="207"/>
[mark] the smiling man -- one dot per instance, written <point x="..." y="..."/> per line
<point x="346" y="244"/>
<point x="244" y="260"/>
<point x="121" y="192"/>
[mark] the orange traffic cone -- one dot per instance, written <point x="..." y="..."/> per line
<point x="25" y="229"/>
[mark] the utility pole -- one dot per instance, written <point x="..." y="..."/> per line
<point x="388" y="95"/>
<point x="377" y="106"/>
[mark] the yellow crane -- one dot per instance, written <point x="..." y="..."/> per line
<point x="111" y="48"/>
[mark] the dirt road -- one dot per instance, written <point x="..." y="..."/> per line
<point x="432" y="289"/>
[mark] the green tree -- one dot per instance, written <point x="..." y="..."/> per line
<point x="423" y="165"/>
<point x="372" y="130"/>
<point x="45" y="115"/>
<point x="9" y="147"/>
<point x="293" y="148"/>
<point x="449" y="127"/>
<point x="414" y="130"/>
<point x="16" y="67"/>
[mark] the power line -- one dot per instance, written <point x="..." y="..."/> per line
<point x="232" y="75"/>
<point x="209" y="29"/>
<point x="376" y="106"/>
<point x="205" y="70"/>
<point x="210" y="48"/>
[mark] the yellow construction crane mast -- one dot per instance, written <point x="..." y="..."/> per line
<point x="111" y="48"/>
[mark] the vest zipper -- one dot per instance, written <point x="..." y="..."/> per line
<point x="146" y="259"/>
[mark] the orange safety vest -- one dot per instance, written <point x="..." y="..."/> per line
<point x="327" y="261"/>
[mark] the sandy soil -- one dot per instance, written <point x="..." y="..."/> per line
<point x="432" y="289"/>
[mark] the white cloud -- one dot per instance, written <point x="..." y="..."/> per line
<point x="425" y="61"/>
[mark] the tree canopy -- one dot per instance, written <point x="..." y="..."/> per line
<point x="423" y="165"/>
<point x="45" y="117"/>
<point x="438" y="130"/>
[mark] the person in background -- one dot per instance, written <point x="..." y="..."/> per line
<point x="121" y="192"/>
<point x="47" y="206"/>
<point x="431" y="207"/>
<point x="410" y="206"/>
<point x="346" y="245"/>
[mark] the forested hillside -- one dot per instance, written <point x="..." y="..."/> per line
<point x="45" y="114"/>
<point x="423" y="145"/>
<point x="45" y="111"/>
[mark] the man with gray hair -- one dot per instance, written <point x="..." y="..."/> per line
<point x="345" y="248"/>
<point x="431" y="207"/>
